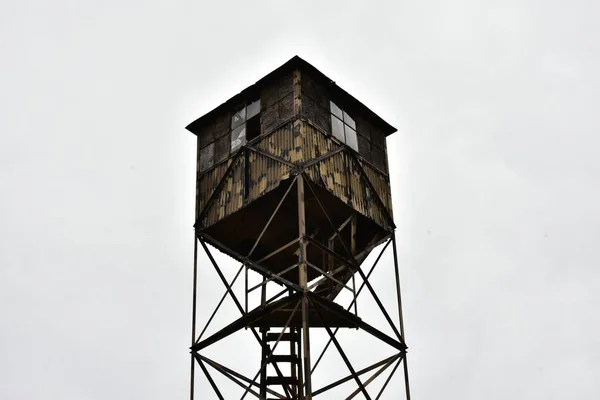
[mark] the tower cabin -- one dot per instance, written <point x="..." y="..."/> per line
<point x="251" y="150"/>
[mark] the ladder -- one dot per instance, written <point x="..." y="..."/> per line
<point x="285" y="362"/>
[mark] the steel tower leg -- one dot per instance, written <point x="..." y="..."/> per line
<point x="192" y="372"/>
<point x="303" y="279"/>
<point x="400" y="316"/>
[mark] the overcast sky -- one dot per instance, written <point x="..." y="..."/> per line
<point x="494" y="173"/>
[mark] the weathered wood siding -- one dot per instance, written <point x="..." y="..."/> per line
<point x="295" y="127"/>
<point x="207" y="183"/>
<point x="381" y="184"/>
<point x="230" y="196"/>
<point x="277" y="103"/>
<point x="265" y="175"/>
<point x="285" y="143"/>
<point x="345" y="178"/>
<point x="315" y="142"/>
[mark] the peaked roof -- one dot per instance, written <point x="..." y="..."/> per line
<point x="294" y="63"/>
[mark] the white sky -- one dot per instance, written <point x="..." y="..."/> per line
<point x="494" y="175"/>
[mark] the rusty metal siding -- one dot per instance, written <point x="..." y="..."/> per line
<point x="283" y="143"/>
<point x="230" y="198"/>
<point x="341" y="175"/>
<point x="361" y="197"/>
<point x="300" y="141"/>
<point x="265" y="174"/>
<point x="380" y="184"/>
<point x="333" y="172"/>
<point x="207" y="182"/>
<point x="316" y="143"/>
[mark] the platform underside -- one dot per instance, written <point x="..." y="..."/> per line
<point x="287" y="313"/>
<point x="325" y="213"/>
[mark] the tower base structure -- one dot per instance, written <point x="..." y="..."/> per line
<point x="307" y="301"/>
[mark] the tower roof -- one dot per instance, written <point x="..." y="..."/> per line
<point x="294" y="63"/>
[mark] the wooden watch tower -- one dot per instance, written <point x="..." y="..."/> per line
<point x="293" y="184"/>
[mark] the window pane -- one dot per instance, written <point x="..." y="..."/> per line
<point x="238" y="137"/>
<point x="337" y="128"/>
<point x="335" y="110"/>
<point x="206" y="158"/>
<point x="351" y="139"/>
<point x="253" y="109"/>
<point x="238" y="118"/>
<point x="349" y="121"/>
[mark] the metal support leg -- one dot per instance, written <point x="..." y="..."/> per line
<point x="303" y="280"/>
<point x="400" y="316"/>
<point x="195" y="279"/>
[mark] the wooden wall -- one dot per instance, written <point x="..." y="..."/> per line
<point x="296" y="128"/>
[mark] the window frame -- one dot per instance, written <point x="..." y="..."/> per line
<point x="242" y="126"/>
<point x="346" y="126"/>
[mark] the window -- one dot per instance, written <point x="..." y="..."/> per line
<point x="245" y="125"/>
<point x="343" y="126"/>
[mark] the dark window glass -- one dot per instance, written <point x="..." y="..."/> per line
<point x="252" y="128"/>
<point x="337" y="128"/>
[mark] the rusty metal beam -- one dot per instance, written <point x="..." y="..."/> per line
<point x="279" y="250"/>
<point x="232" y="375"/>
<point x="219" y="305"/>
<point x="271" y="156"/>
<point x="389" y="378"/>
<point x="353" y="301"/>
<point x="328" y="251"/>
<point x="331" y="224"/>
<point x="400" y="316"/>
<point x="194" y="288"/>
<point x="327" y="275"/>
<point x="321" y="158"/>
<point x="360" y="372"/>
<point x="303" y="280"/>
<point x="210" y="379"/>
<point x="262" y="368"/>
<point x="245" y="321"/>
<point x="235" y="299"/>
<point x="272" y="216"/>
<point x="273" y="277"/>
<point x="264" y="271"/>
<point x="341" y="352"/>
<point x="371" y="378"/>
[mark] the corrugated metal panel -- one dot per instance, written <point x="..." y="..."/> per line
<point x="265" y="174"/>
<point x="207" y="182"/>
<point x="342" y="177"/>
<point x="361" y="196"/>
<point x="280" y="143"/>
<point x="381" y="185"/>
<point x="297" y="142"/>
<point x="334" y="174"/>
<point x="230" y="198"/>
<point x="316" y="143"/>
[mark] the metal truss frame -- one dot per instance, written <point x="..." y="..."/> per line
<point x="303" y="301"/>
